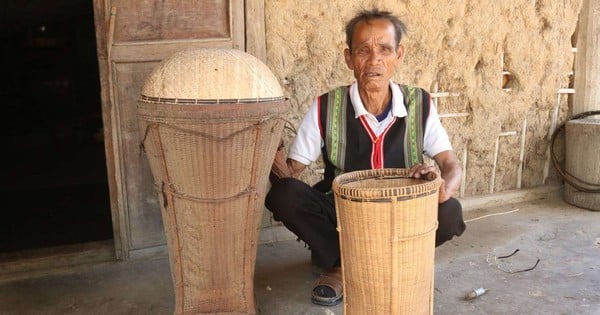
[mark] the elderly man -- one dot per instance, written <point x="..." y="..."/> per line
<point x="373" y="123"/>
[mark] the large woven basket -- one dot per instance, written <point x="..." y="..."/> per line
<point x="210" y="157"/>
<point x="387" y="223"/>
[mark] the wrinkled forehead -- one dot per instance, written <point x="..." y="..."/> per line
<point x="378" y="31"/>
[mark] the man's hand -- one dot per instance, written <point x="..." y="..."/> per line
<point x="283" y="167"/>
<point x="429" y="172"/>
<point x="423" y="171"/>
<point x="280" y="167"/>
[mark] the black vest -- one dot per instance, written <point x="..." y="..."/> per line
<point x="349" y="144"/>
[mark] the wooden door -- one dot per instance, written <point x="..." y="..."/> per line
<point x="133" y="36"/>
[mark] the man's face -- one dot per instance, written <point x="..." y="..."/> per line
<point x="373" y="55"/>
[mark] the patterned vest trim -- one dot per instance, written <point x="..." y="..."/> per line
<point x="414" y="134"/>
<point x="350" y="144"/>
<point x="336" y="127"/>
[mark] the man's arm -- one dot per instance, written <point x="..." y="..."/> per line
<point x="451" y="173"/>
<point x="283" y="167"/>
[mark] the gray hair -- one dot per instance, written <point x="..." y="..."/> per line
<point x="375" y="14"/>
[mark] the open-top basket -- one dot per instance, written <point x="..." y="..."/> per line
<point x="387" y="223"/>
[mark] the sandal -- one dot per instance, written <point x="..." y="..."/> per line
<point x="328" y="289"/>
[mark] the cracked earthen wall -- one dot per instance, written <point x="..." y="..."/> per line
<point x="460" y="51"/>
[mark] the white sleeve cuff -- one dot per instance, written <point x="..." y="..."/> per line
<point x="307" y="144"/>
<point x="436" y="138"/>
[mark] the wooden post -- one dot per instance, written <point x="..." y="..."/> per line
<point x="255" y="29"/>
<point x="582" y="144"/>
<point x="587" y="59"/>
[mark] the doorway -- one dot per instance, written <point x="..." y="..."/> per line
<point x="55" y="188"/>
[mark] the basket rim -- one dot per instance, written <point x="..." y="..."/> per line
<point x="429" y="186"/>
<point x="190" y="101"/>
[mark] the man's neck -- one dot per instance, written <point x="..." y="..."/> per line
<point x="375" y="102"/>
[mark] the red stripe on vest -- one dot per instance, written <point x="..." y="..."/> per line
<point x="377" y="142"/>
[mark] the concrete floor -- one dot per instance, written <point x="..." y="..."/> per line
<point x="566" y="239"/>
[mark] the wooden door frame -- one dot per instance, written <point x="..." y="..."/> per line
<point x="254" y="33"/>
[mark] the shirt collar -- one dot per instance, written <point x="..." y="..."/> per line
<point x="398" y="108"/>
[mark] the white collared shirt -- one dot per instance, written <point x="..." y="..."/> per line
<point x="307" y="145"/>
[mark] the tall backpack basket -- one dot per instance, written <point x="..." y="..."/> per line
<point x="211" y="123"/>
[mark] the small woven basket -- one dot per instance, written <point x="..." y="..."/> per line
<point x="387" y="223"/>
<point x="211" y="121"/>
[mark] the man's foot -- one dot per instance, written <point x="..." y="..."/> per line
<point x="328" y="288"/>
<point x="314" y="264"/>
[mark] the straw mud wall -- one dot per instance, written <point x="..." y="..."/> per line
<point x="500" y="72"/>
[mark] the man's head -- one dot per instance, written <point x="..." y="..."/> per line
<point x="374" y="14"/>
<point x="374" y="48"/>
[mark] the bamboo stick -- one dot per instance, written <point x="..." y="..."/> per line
<point x="493" y="176"/>
<point x="453" y="115"/>
<point x="435" y="94"/>
<point x="507" y="133"/>
<point x="505" y="75"/>
<point x="496" y="147"/>
<point x="444" y="94"/>
<point x="502" y="70"/>
<point x="566" y="91"/>
<point x="521" y="155"/>
<point x="434" y="91"/>
<point x="463" y="181"/>
<point x="553" y="123"/>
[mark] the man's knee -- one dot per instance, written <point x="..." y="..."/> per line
<point x="450" y="221"/>
<point x="281" y="197"/>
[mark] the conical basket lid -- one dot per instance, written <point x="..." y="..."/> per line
<point x="211" y="75"/>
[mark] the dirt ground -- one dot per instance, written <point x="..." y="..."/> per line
<point x="566" y="280"/>
<point x="565" y="239"/>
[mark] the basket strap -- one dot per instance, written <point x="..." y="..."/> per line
<point x="169" y="190"/>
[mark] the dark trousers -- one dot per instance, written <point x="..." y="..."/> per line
<point x="310" y="214"/>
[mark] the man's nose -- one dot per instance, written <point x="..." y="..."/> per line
<point x="374" y="56"/>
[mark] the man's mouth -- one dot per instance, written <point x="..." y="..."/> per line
<point x="372" y="74"/>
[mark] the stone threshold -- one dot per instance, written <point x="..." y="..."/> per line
<point x="54" y="260"/>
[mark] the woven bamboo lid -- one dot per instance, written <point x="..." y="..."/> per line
<point x="210" y="76"/>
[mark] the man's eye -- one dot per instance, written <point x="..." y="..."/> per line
<point x="387" y="50"/>
<point x="362" y="51"/>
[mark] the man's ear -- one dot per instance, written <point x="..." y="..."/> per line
<point x="348" y="58"/>
<point x="400" y="54"/>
